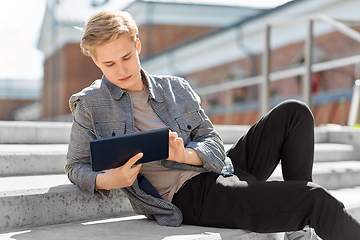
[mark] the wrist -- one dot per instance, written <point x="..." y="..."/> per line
<point x="99" y="182"/>
<point x="191" y="157"/>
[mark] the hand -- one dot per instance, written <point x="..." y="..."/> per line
<point x="120" y="177"/>
<point x="178" y="153"/>
<point x="176" y="148"/>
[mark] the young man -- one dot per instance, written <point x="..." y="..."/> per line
<point x="199" y="183"/>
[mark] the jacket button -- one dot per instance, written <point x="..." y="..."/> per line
<point x="188" y="127"/>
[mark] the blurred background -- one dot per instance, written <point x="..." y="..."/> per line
<point x="242" y="57"/>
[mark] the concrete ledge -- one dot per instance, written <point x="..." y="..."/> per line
<point x="52" y="208"/>
<point x="36" y="159"/>
<point x="331" y="175"/>
<point x="330" y="152"/>
<point x="231" y="133"/>
<point x="34" y="132"/>
<point x="55" y="203"/>
<point x="134" y="228"/>
<point x="58" y="132"/>
<point x="346" y="135"/>
<point x="45" y="200"/>
<point x="32" y="159"/>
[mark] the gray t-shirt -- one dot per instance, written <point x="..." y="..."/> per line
<point x="166" y="181"/>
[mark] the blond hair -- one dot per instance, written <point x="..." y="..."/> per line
<point x="106" y="26"/>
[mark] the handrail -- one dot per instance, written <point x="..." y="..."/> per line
<point x="341" y="27"/>
<point x="275" y="76"/>
<point x="355" y="104"/>
<point x="305" y="70"/>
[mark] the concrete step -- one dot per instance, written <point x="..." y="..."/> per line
<point x="341" y="134"/>
<point x="33" y="201"/>
<point x="32" y="159"/>
<point x="52" y="199"/>
<point x="38" y="159"/>
<point x="133" y="228"/>
<point x="19" y="132"/>
<point x="327" y="152"/>
<point x="351" y="199"/>
<point x="330" y="152"/>
<point x="331" y="175"/>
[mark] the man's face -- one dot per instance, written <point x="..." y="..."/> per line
<point x="119" y="62"/>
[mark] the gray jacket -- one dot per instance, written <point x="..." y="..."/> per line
<point x="103" y="109"/>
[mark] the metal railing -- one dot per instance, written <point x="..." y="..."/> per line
<point x="306" y="70"/>
<point x="355" y="105"/>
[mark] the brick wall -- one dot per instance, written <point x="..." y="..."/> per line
<point x="327" y="47"/>
<point x="157" y="38"/>
<point x="66" y="72"/>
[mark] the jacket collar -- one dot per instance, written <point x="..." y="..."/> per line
<point x="154" y="87"/>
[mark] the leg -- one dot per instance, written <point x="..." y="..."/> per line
<point x="212" y="200"/>
<point x="286" y="133"/>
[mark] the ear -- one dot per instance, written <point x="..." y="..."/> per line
<point x="138" y="46"/>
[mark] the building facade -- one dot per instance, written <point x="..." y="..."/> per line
<point x="213" y="44"/>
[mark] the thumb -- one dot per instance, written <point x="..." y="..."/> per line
<point x="132" y="161"/>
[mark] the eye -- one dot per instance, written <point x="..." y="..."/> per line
<point x="127" y="57"/>
<point x="109" y="65"/>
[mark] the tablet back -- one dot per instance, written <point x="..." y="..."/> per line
<point x="112" y="152"/>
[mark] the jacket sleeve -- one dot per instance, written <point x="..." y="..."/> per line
<point x="208" y="145"/>
<point x="205" y="140"/>
<point x="78" y="167"/>
<point x="198" y="132"/>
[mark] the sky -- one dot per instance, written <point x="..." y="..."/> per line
<point x="20" y="24"/>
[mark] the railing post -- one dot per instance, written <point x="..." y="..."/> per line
<point x="307" y="80"/>
<point x="229" y="104"/>
<point x="357" y="70"/>
<point x="355" y="104"/>
<point x="265" y="86"/>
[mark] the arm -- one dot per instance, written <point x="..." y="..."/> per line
<point x="78" y="167"/>
<point x="204" y="139"/>
<point x="196" y="130"/>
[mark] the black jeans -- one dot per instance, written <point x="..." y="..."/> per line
<point x="247" y="201"/>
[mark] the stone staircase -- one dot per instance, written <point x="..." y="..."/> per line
<point x="37" y="201"/>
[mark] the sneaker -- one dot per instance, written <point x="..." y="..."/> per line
<point x="306" y="234"/>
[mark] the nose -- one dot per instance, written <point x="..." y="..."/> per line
<point x="122" y="69"/>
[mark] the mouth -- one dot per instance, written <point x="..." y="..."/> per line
<point x="124" y="79"/>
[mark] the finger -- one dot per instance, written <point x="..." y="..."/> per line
<point x="132" y="161"/>
<point x="173" y="135"/>
<point x="177" y="141"/>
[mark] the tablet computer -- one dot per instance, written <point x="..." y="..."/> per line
<point x="113" y="152"/>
